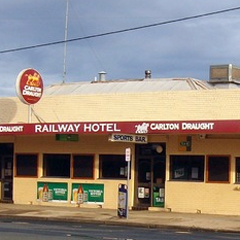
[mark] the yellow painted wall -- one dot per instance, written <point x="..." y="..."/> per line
<point x="221" y="198"/>
<point x="202" y="197"/>
<point x="188" y="196"/>
<point x="217" y="104"/>
<point x="161" y="106"/>
<point x="25" y="189"/>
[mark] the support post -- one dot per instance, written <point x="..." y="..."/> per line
<point x="29" y="113"/>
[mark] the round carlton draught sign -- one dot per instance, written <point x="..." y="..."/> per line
<point x="29" y="86"/>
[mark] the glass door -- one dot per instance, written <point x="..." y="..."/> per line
<point x="150" y="175"/>
<point x="158" y="186"/>
<point x="144" y="181"/>
<point x="7" y="179"/>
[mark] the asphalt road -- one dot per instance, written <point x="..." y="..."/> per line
<point x="36" y="230"/>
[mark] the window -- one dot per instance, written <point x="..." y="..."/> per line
<point x="238" y="170"/>
<point x="83" y="166"/>
<point x="56" y="165"/>
<point x="26" y="165"/>
<point x="218" y="168"/>
<point x="151" y="149"/>
<point x="186" y="168"/>
<point x="113" y="166"/>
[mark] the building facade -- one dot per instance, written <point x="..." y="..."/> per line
<point x="183" y="134"/>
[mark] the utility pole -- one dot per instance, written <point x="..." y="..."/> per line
<point x="65" y="44"/>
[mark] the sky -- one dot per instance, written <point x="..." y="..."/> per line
<point x="180" y="49"/>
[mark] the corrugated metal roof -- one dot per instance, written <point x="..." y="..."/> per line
<point x="128" y="86"/>
<point x="226" y="85"/>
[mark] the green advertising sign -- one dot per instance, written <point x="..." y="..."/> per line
<point x="87" y="193"/>
<point x="52" y="192"/>
<point x="158" y="197"/>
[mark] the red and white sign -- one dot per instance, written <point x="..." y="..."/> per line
<point x="156" y="127"/>
<point x="128" y="154"/>
<point x="29" y="86"/>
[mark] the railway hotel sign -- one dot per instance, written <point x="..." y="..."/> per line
<point x="123" y="130"/>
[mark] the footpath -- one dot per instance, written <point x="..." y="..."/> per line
<point x="150" y="219"/>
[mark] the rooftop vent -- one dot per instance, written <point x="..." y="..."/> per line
<point x="148" y="74"/>
<point x="224" y="73"/>
<point x="102" y="76"/>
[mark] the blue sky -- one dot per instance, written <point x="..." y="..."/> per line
<point x="183" y="49"/>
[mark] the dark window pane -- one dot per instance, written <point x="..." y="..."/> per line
<point x="83" y="166"/>
<point x="218" y="169"/>
<point x="113" y="166"/>
<point x="151" y="149"/>
<point x="144" y="167"/>
<point x="187" y="168"/>
<point x="56" y="165"/>
<point x="26" y="164"/>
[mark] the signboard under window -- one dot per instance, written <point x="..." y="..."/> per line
<point x="52" y="192"/>
<point x="87" y="193"/>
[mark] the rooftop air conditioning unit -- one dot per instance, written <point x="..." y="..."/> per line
<point x="224" y="73"/>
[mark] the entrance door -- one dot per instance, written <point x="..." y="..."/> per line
<point x="6" y="172"/>
<point x="150" y="172"/>
<point x="144" y="181"/>
<point x="7" y="179"/>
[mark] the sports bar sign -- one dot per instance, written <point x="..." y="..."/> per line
<point x="156" y="127"/>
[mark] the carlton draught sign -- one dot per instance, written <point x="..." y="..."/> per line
<point x="29" y="86"/>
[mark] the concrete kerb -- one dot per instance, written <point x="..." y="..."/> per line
<point x="114" y="222"/>
<point x="146" y="219"/>
<point x="122" y="222"/>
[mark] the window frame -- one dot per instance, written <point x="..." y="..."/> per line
<point x="189" y="162"/>
<point x="73" y="165"/>
<point x="208" y="170"/>
<point x="35" y="175"/>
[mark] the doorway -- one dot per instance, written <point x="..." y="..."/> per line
<point x="150" y="175"/>
<point x="6" y="172"/>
